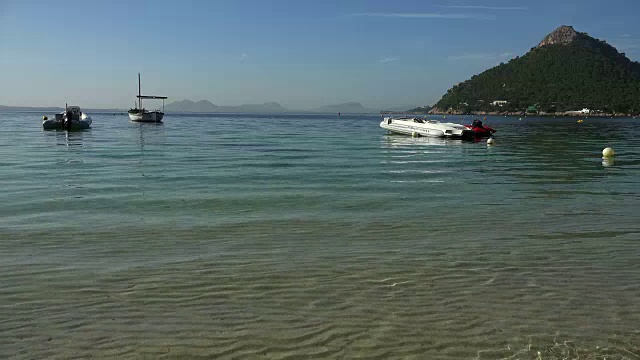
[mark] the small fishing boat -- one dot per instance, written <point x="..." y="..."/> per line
<point x="72" y="118"/>
<point x="416" y="126"/>
<point x="140" y="114"/>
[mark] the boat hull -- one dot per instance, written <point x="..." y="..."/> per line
<point x="59" y="125"/>
<point x="405" y="130"/>
<point x="426" y="128"/>
<point x="60" y="122"/>
<point x="480" y="129"/>
<point x="147" y="116"/>
<point x="481" y="132"/>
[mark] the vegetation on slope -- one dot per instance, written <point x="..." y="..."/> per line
<point x="585" y="73"/>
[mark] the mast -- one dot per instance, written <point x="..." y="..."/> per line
<point x="139" y="93"/>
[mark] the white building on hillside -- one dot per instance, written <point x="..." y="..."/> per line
<point x="584" y="111"/>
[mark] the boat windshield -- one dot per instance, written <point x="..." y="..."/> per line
<point x="418" y="120"/>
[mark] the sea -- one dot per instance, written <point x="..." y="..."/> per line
<point x="318" y="236"/>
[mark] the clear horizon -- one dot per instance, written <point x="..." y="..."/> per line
<point x="300" y="54"/>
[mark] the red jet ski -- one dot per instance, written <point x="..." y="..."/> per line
<point x="479" y="129"/>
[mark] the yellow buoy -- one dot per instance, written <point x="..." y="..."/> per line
<point x="608" y="152"/>
<point x="580" y="121"/>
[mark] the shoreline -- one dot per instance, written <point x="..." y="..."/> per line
<point x="518" y="115"/>
<point x="538" y="114"/>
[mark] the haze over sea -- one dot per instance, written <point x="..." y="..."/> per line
<point x="318" y="236"/>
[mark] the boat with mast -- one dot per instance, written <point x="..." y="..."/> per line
<point x="140" y="114"/>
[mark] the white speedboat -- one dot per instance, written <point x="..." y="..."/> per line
<point x="71" y="119"/>
<point x="416" y="126"/>
<point x="143" y="115"/>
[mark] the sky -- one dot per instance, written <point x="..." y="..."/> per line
<point x="301" y="54"/>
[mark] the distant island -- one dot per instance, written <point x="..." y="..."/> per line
<point x="205" y="106"/>
<point x="348" y="107"/>
<point x="567" y="73"/>
<point x="54" y="109"/>
<point x="30" y="108"/>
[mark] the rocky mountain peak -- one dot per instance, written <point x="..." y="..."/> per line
<point x="563" y="35"/>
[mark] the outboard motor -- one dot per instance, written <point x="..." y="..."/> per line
<point x="68" y="120"/>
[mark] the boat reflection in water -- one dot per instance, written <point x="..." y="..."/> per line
<point x="151" y="134"/>
<point x="399" y="141"/>
<point x="69" y="139"/>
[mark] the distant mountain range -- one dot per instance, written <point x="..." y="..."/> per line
<point x="348" y="107"/>
<point x="205" y="106"/>
<point x="50" y="109"/>
<point x="28" y="108"/>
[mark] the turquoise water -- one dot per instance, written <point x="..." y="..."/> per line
<point x="318" y="236"/>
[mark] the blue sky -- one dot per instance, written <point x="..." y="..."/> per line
<point x="302" y="54"/>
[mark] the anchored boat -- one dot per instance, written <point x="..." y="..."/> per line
<point x="72" y="118"/>
<point x="140" y="114"/>
<point x="416" y="126"/>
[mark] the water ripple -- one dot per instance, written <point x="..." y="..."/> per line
<point x="311" y="236"/>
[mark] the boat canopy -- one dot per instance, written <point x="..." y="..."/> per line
<point x="150" y="97"/>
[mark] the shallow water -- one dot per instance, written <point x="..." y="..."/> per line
<point x="317" y="236"/>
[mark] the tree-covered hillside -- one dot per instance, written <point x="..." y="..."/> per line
<point x="556" y="77"/>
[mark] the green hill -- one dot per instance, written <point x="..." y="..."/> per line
<point x="567" y="71"/>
